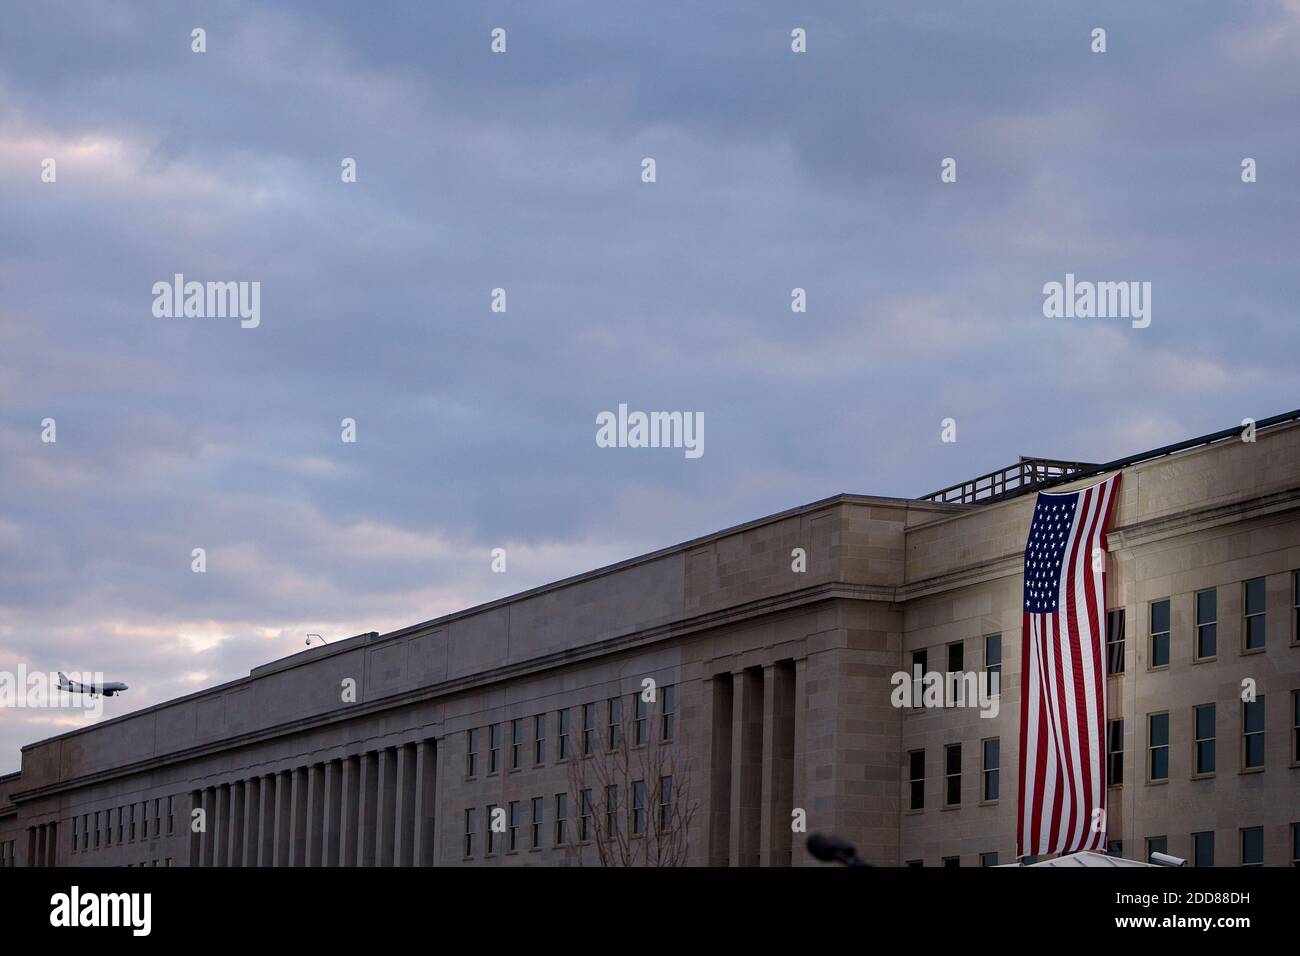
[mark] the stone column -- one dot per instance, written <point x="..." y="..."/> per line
<point x="386" y="806"/>
<point x="235" y="853"/>
<point x="298" y="817"/>
<point x="368" y="793"/>
<point x="426" y="775"/>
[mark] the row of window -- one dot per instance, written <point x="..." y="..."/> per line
<point x="166" y="862"/>
<point x="503" y="825"/>
<point x="1250" y="847"/>
<point x="1204" y="741"/>
<point x="990" y="774"/>
<point x="90" y="831"/>
<point x="612" y="732"/>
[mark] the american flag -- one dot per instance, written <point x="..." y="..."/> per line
<point x="1062" y="674"/>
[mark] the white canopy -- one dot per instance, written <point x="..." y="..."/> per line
<point x="1085" y="858"/>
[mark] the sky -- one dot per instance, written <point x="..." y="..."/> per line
<point x="523" y="170"/>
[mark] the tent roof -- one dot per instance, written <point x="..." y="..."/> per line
<point x="1086" y="858"/>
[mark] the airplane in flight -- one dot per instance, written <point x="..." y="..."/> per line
<point x="108" y="689"/>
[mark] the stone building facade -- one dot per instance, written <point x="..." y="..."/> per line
<point x="730" y="688"/>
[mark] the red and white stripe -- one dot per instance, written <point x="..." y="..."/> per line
<point x="1062" y="800"/>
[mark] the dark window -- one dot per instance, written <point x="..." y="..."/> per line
<point x="1115" y="753"/>
<point x="952" y="774"/>
<point x="469" y="831"/>
<point x="1203" y="849"/>
<point x="585" y="813"/>
<point x="956" y="654"/>
<point x="1160" y="633"/>
<point x="561" y="819"/>
<point x="491" y="828"/>
<point x="918" y="673"/>
<point x="539" y="739"/>
<point x="1295" y="602"/>
<point x="1252" y="846"/>
<point x="536" y="835"/>
<point x="1254" y="627"/>
<point x="1207" y="616"/>
<point x="993" y="662"/>
<point x="1253" y="732"/>
<point x="171" y="815"/>
<point x="1115" y="641"/>
<point x="513" y="823"/>
<point x="638" y="807"/>
<point x="588" y="728"/>
<point x="952" y="861"/>
<point x="665" y="803"/>
<point x="914" y="864"/>
<point x="1115" y="848"/>
<point x="1204" y="720"/>
<point x="75" y="822"/>
<point x="564" y="734"/>
<point x="611" y="810"/>
<point x="916" y="779"/>
<point x="669" y="727"/>
<point x="1295" y="845"/>
<point x="471" y="752"/>
<point x="641" y="709"/>
<point x="988" y="859"/>
<point x="1158" y="744"/>
<point x="494" y="748"/>
<point x="516" y="743"/>
<point x="614" y="709"/>
<point x="1157" y="844"/>
<point x="992" y="767"/>
<point x="1295" y="725"/>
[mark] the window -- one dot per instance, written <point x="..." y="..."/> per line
<point x="952" y="774"/>
<point x="1295" y="845"/>
<point x="97" y="817"/>
<point x="470" y="826"/>
<point x="1253" y="630"/>
<point x="992" y="758"/>
<point x="611" y="809"/>
<point x="561" y="819"/>
<point x="564" y="734"/>
<point x="1203" y="849"/>
<point x="584" y="818"/>
<point x="1160" y="633"/>
<point x="669" y="715"/>
<point x="916" y="779"/>
<point x="471" y="752"/>
<point x="491" y="828"/>
<point x="157" y="816"/>
<point x="1115" y="641"/>
<point x="952" y="861"/>
<point x="665" y="803"/>
<point x="75" y="822"/>
<point x="614" y="708"/>
<point x="1158" y="746"/>
<point x="988" y="859"/>
<point x="171" y="815"/>
<point x="85" y="832"/>
<point x="1156" y="844"/>
<point x="993" y="662"/>
<point x="144" y="820"/>
<point x="514" y="826"/>
<point x="919" y="665"/>
<point x="956" y="656"/>
<point x="1295" y="606"/>
<point x="1203" y="721"/>
<point x="132" y="830"/>
<point x="1252" y="846"/>
<point x="1207" y="614"/>
<point x="1115" y="848"/>
<point x="539" y="739"/>
<point x="588" y="728"/>
<point x="914" y="864"/>
<point x="1115" y="753"/>
<point x="640" y="710"/>
<point x="1252" y="723"/>
<point x="516" y="742"/>
<point x="953" y="676"/>
<point x="1295" y="726"/>
<point x="121" y="823"/>
<point x="536" y="835"/>
<point x="494" y="748"/>
<point x="638" y="807"/>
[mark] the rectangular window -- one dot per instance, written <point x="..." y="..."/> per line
<point x="956" y="655"/>
<point x="952" y="774"/>
<point x="584" y="817"/>
<point x="919" y="664"/>
<point x="470" y="825"/>
<point x="1203" y="721"/>
<point x="491" y="828"/>
<point x="669" y="716"/>
<point x="638" y="807"/>
<point x="1252" y="846"/>
<point x="916" y="779"/>
<point x="171" y="815"/>
<point x="993" y="662"/>
<point x="513" y="824"/>
<point x="914" y="864"/>
<point x="516" y="743"/>
<point x="1115" y="848"/>
<point x="665" y="804"/>
<point x="614" y="710"/>
<point x="1203" y="849"/>
<point x="952" y="862"/>
<point x="992" y="760"/>
<point x="1158" y="746"/>
<point x="1295" y="726"/>
<point x="564" y="734"/>
<point x="85" y="832"/>
<point x="132" y="830"/>
<point x="536" y="835"/>
<point x="611" y="810"/>
<point x="97" y="827"/>
<point x="75" y="822"/>
<point x="1207" y="616"/>
<point x="1253" y="630"/>
<point x="494" y="748"/>
<point x="988" y="859"/>
<point x="471" y="752"/>
<point x="1160" y="633"/>
<point x="1115" y="753"/>
<point x="144" y="820"/>
<point x="641" y="711"/>
<point x="1295" y="606"/>
<point x="539" y="739"/>
<point x="588" y="728"/>
<point x="1252" y="723"/>
<point x="157" y="816"/>
<point x="1115" y="641"/>
<point x="561" y="819"/>
<point x="1295" y="845"/>
<point x="1156" y="844"/>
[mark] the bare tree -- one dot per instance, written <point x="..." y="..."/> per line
<point x="634" y="797"/>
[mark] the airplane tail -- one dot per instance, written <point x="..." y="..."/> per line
<point x="64" y="683"/>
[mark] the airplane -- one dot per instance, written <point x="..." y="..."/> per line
<point x="108" y="689"/>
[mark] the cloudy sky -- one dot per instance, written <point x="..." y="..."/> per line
<point x="522" y="170"/>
